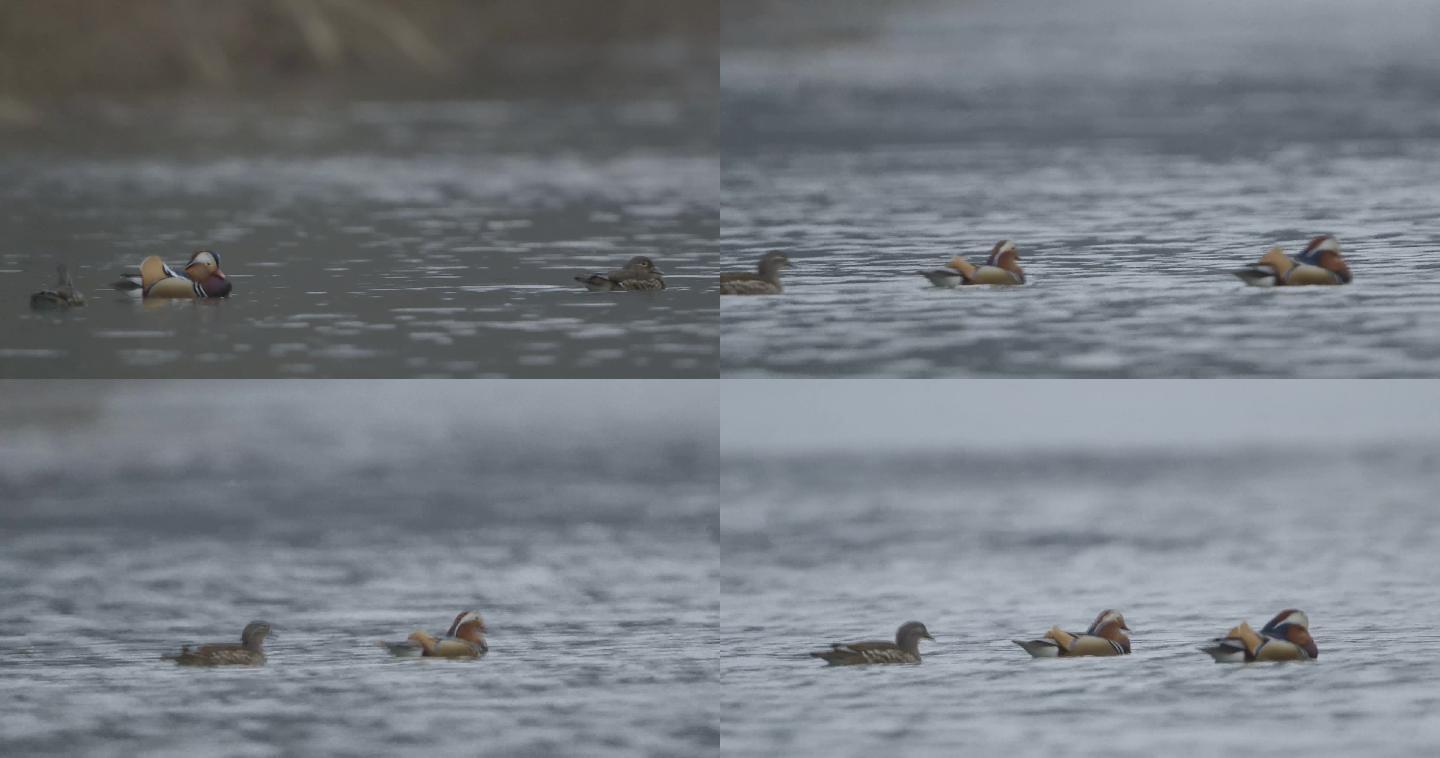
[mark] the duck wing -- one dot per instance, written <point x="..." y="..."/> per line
<point x="875" y="651"/>
<point x="746" y="284"/>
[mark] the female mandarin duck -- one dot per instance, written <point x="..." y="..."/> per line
<point x="464" y="639"/>
<point x="1002" y="267"/>
<point x="1285" y="638"/>
<point x="765" y="280"/>
<point x="638" y="274"/>
<point x="905" y="648"/>
<point x="247" y="652"/>
<point x="63" y="296"/>
<point x="201" y="278"/>
<point x="1104" y="637"/>
<point x="1319" y="263"/>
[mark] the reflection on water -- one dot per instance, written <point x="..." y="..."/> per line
<point x="378" y="239"/>
<point x="1135" y="154"/>
<point x="986" y="548"/>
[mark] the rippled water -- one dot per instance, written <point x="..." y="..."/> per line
<point x="373" y="239"/>
<point x="598" y="578"/>
<point x="1135" y="154"/>
<point x="986" y="549"/>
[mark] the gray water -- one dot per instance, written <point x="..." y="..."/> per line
<point x="1136" y="152"/>
<point x="588" y="542"/>
<point x="365" y="239"/>
<point x="985" y="548"/>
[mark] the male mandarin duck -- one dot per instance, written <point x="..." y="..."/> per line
<point x="905" y="648"/>
<point x="765" y="281"/>
<point x="247" y="652"/>
<point x="1285" y="638"/>
<point x="638" y="274"/>
<point x="1319" y="263"/>
<point x="199" y="278"/>
<point x="1104" y="637"/>
<point x="63" y="296"/>
<point x="1002" y="267"/>
<point x="464" y="639"/>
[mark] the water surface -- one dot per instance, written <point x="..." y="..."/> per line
<point x="590" y="545"/>
<point x="985" y="548"/>
<point x="1135" y="152"/>
<point x="366" y="239"/>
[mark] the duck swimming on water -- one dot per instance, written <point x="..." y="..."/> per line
<point x="1001" y="267"/>
<point x="905" y="648"/>
<point x="64" y="295"/>
<point x="1285" y="638"/>
<point x="1319" y="263"/>
<point x="198" y="279"/>
<point x="247" y="652"/>
<point x="638" y="274"/>
<point x="765" y="280"/>
<point x="464" y="639"/>
<point x="1106" y="636"/>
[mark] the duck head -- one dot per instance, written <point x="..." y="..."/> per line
<point x="1293" y="626"/>
<point x="254" y="635"/>
<point x="1324" y="251"/>
<point x="773" y="262"/>
<point x="204" y="267"/>
<point x="1114" y="630"/>
<point x="910" y="633"/>
<point x="642" y="263"/>
<point x="1106" y="616"/>
<point x="468" y="625"/>
<point x="1005" y="255"/>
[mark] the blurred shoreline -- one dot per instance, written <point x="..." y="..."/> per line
<point x="56" y="51"/>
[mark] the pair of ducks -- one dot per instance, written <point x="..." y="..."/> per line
<point x="464" y="639"/>
<point x="639" y="274"/>
<point x="1319" y="263"/>
<point x="1285" y="638"/>
<point x="198" y="279"/>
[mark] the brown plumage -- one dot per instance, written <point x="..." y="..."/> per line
<point x="449" y="647"/>
<point x="1285" y="638"/>
<point x="1106" y="636"/>
<point x="638" y="274"/>
<point x="464" y="639"/>
<point x="1319" y="263"/>
<point x="766" y="280"/>
<point x="905" y="648"/>
<point x="63" y="296"/>
<point x="469" y="626"/>
<point x="247" y="652"/>
<point x="1001" y="267"/>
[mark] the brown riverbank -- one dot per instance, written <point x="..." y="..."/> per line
<point x="61" y="48"/>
